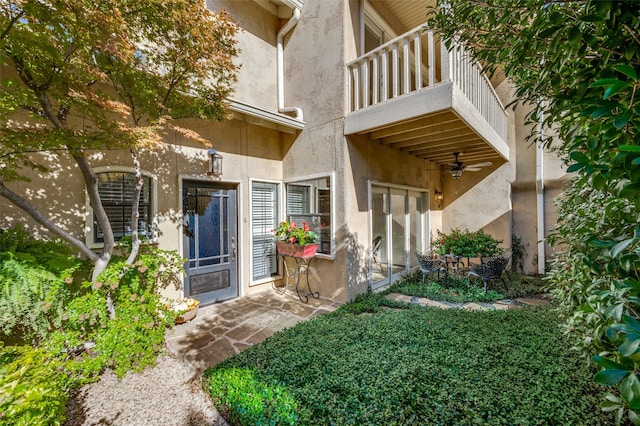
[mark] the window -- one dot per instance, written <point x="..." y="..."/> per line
<point x="310" y="201"/>
<point x="116" y="192"/>
<point x="264" y="218"/>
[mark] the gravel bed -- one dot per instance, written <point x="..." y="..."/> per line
<point x="166" y="394"/>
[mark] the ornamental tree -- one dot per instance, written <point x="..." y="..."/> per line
<point x="83" y="75"/>
<point x="578" y="64"/>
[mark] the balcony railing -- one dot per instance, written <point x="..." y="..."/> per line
<point x="416" y="61"/>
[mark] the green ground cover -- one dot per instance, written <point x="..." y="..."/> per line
<point x="370" y="364"/>
<point x="460" y="289"/>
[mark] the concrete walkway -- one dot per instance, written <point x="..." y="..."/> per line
<point x="223" y="329"/>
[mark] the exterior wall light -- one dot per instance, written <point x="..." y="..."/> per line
<point x="215" y="163"/>
<point x="439" y="196"/>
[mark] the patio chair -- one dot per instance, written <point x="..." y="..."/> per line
<point x="491" y="268"/>
<point x="429" y="264"/>
<point x="375" y="251"/>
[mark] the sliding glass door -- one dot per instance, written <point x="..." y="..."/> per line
<point x="399" y="229"/>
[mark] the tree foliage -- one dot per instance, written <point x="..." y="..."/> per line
<point x="578" y="64"/>
<point x="81" y="75"/>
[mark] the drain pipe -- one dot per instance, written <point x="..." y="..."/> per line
<point x="280" y="65"/>
<point x="540" y="196"/>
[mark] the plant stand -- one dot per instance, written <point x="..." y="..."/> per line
<point x="293" y="274"/>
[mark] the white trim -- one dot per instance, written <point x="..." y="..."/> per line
<point x="425" y="224"/>
<point x="332" y="187"/>
<point x="278" y="276"/>
<point x="397" y="186"/>
<point x="239" y="222"/>
<point x="377" y="19"/>
<point x="88" y="235"/>
<point x="280" y="121"/>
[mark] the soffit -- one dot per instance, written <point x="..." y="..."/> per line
<point x="404" y="13"/>
<point x="435" y="137"/>
<point x="281" y="8"/>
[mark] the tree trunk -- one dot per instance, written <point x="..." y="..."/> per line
<point x="135" y="210"/>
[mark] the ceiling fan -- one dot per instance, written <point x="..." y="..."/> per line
<point x="457" y="167"/>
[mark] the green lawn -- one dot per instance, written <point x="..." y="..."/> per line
<point x="409" y="366"/>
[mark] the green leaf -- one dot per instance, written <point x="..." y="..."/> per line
<point x="579" y="157"/>
<point x="575" y="36"/>
<point x="629" y="148"/>
<point x="610" y="377"/>
<point x="627" y="261"/>
<point x="629" y="347"/>
<point x="606" y="82"/>
<point x="630" y="190"/>
<point x="635" y="419"/>
<point x="630" y="388"/>
<point x="575" y="167"/>
<point x="608" y="364"/>
<point x="631" y="322"/>
<point x="622" y="120"/>
<point x="615" y="250"/>
<point x="613" y="89"/>
<point x="627" y="70"/>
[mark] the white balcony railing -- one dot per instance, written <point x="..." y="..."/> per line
<point x="415" y="61"/>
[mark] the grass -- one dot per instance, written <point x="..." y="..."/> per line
<point x="459" y="289"/>
<point x="365" y="364"/>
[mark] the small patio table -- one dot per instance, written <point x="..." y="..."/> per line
<point x="293" y="274"/>
<point x="456" y="264"/>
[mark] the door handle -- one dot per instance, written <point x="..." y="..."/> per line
<point x="233" y="248"/>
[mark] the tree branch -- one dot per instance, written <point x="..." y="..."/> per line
<point x="32" y="211"/>
<point x="11" y="24"/>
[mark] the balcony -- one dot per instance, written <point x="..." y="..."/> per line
<point x="415" y="95"/>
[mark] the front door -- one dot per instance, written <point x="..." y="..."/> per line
<point x="210" y="241"/>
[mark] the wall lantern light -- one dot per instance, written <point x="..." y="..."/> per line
<point x="439" y="196"/>
<point x="215" y="163"/>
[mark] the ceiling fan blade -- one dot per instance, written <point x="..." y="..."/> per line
<point x="472" y="169"/>
<point x="485" y="164"/>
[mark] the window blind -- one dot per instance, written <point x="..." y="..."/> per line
<point x="264" y="218"/>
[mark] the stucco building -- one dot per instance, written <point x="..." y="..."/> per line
<point x="347" y="115"/>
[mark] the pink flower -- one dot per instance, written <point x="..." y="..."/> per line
<point x="292" y="239"/>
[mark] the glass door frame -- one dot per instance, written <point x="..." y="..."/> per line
<point x="422" y="241"/>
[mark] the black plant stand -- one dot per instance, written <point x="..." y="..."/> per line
<point x="294" y="273"/>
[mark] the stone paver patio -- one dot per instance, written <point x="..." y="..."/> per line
<point x="472" y="306"/>
<point x="224" y="329"/>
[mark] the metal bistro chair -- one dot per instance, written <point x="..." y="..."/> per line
<point x="429" y="264"/>
<point x="491" y="268"/>
<point x="375" y="251"/>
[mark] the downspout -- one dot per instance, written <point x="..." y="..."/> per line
<point x="280" y="65"/>
<point x="540" y="196"/>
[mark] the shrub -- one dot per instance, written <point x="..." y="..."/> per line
<point x="467" y="243"/>
<point x="33" y="387"/>
<point x="132" y="340"/>
<point x="77" y="343"/>
<point x="36" y="280"/>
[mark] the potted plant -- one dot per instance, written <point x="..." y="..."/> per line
<point x="187" y="309"/>
<point x="295" y="241"/>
